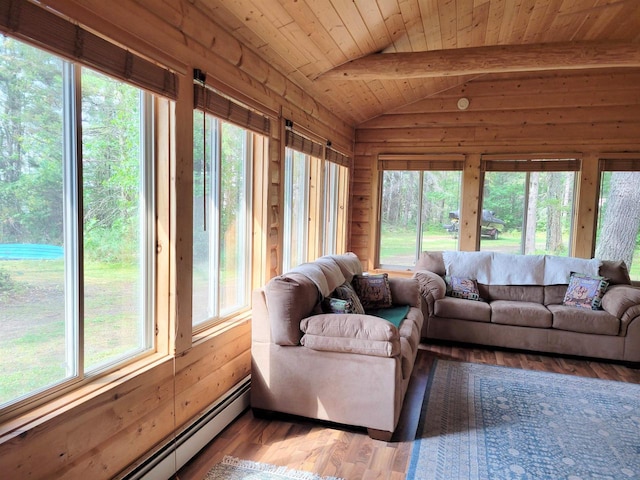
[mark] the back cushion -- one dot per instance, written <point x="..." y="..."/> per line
<point x="615" y="271"/>
<point x="431" y="261"/>
<point x="519" y="293"/>
<point x="290" y="298"/>
<point x="554" y="294"/>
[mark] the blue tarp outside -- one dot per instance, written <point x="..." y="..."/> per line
<point x="30" y="251"/>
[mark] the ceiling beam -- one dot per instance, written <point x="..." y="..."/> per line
<point x="490" y="59"/>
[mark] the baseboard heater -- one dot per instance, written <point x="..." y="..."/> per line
<point x="167" y="460"/>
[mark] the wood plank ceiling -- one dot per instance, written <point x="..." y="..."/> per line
<point x="307" y="39"/>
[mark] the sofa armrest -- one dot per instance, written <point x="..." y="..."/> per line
<point x="432" y="288"/>
<point x="623" y="302"/>
<point x="405" y="291"/>
<point x="350" y="333"/>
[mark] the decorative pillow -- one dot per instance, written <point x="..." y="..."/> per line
<point x="336" y="305"/>
<point x="460" y="287"/>
<point x="585" y="291"/>
<point x="346" y="292"/>
<point x="373" y="290"/>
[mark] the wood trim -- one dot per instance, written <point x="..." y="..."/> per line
<point x="489" y="59"/>
<point x="181" y="233"/>
<point x="585" y="215"/>
<point x="163" y="161"/>
<point x="469" y="231"/>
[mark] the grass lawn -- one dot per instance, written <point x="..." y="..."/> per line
<point x="34" y="337"/>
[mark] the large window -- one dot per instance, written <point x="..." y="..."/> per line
<point x="527" y="206"/>
<point x="618" y="233"/>
<point x="316" y="187"/>
<point x="419" y="211"/>
<point x="222" y="218"/>
<point x="76" y="222"/>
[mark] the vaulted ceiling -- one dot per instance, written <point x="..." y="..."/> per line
<point x="363" y="58"/>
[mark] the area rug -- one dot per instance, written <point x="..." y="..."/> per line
<point x="231" y="468"/>
<point x="489" y="422"/>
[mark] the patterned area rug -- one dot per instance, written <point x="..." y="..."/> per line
<point x="488" y="422"/>
<point x="232" y="468"/>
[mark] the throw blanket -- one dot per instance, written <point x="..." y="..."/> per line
<point x="493" y="268"/>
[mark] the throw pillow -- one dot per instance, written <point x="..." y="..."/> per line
<point x="373" y="290"/>
<point x="336" y="305"/>
<point x="460" y="287"/>
<point x="585" y="291"/>
<point x="346" y="292"/>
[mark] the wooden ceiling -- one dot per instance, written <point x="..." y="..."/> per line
<point x="313" y="43"/>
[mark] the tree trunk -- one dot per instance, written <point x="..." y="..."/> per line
<point x="532" y="209"/>
<point x="621" y="220"/>
<point x="554" y="213"/>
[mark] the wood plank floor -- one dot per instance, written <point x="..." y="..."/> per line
<point x="348" y="452"/>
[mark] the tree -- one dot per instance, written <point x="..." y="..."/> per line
<point x="618" y="236"/>
<point x="532" y="210"/>
<point x="553" y="202"/>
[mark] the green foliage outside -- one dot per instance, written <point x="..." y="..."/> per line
<point x="33" y="193"/>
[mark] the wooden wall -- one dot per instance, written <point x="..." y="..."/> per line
<point x="100" y="430"/>
<point x="585" y="113"/>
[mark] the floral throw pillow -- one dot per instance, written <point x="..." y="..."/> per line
<point x="460" y="287"/>
<point x="585" y="291"/>
<point x="346" y="292"/>
<point x="373" y="290"/>
<point x="336" y="305"/>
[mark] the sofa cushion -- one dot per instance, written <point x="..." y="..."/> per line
<point x="522" y="293"/>
<point x="431" y="261"/>
<point x="349" y="264"/>
<point x="449" y="307"/>
<point x="615" y="271"/>
<point x="573" y="319"/>
<point x="373" y="290"/>
<point x="526" y="314"/>
<point x="366" y="327"/>
<point x="459" y="287"/>
<point x="554" y="294"/>
<point x="289" y="298"/>
<point x="585" y="291"/>
<point x="364" y="334"/>
<point x="346" y="292"/>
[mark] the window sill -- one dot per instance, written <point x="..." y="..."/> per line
<point x="26" y="418"/>
<point x="222" y="326"/>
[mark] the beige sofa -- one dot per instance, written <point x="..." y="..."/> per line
<point x="530" y="316"/>
<point x="345" y="368"/>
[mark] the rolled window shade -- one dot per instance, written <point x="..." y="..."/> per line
<point x="550" y="165"/>
<point x="421" y="165"/>
<point x="421" y="162"/>
<point x="620" y="164"/>
<point x="224" y="108"/>
<point x="29" y="22"/>
<point x="334" y="156"/>
<point x="303" y="144"/>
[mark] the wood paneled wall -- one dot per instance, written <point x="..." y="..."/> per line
<point x="102" y="429"/>
<point x="581" y="113"/>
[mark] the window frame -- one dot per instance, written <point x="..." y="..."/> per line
<point x="72" y="179"/>
<point x="528" y="163"/>
<point x="213" y="190"/>
<point x="325" y="194"/>
<point x="408" y="163"/>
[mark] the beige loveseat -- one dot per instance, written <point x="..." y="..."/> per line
<point x="523" y="309"/>
<point x="342" y="367"/>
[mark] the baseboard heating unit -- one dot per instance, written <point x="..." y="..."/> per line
<point x="168" y="459"/>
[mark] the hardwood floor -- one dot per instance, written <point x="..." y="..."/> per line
<point x="348" y="452"/>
